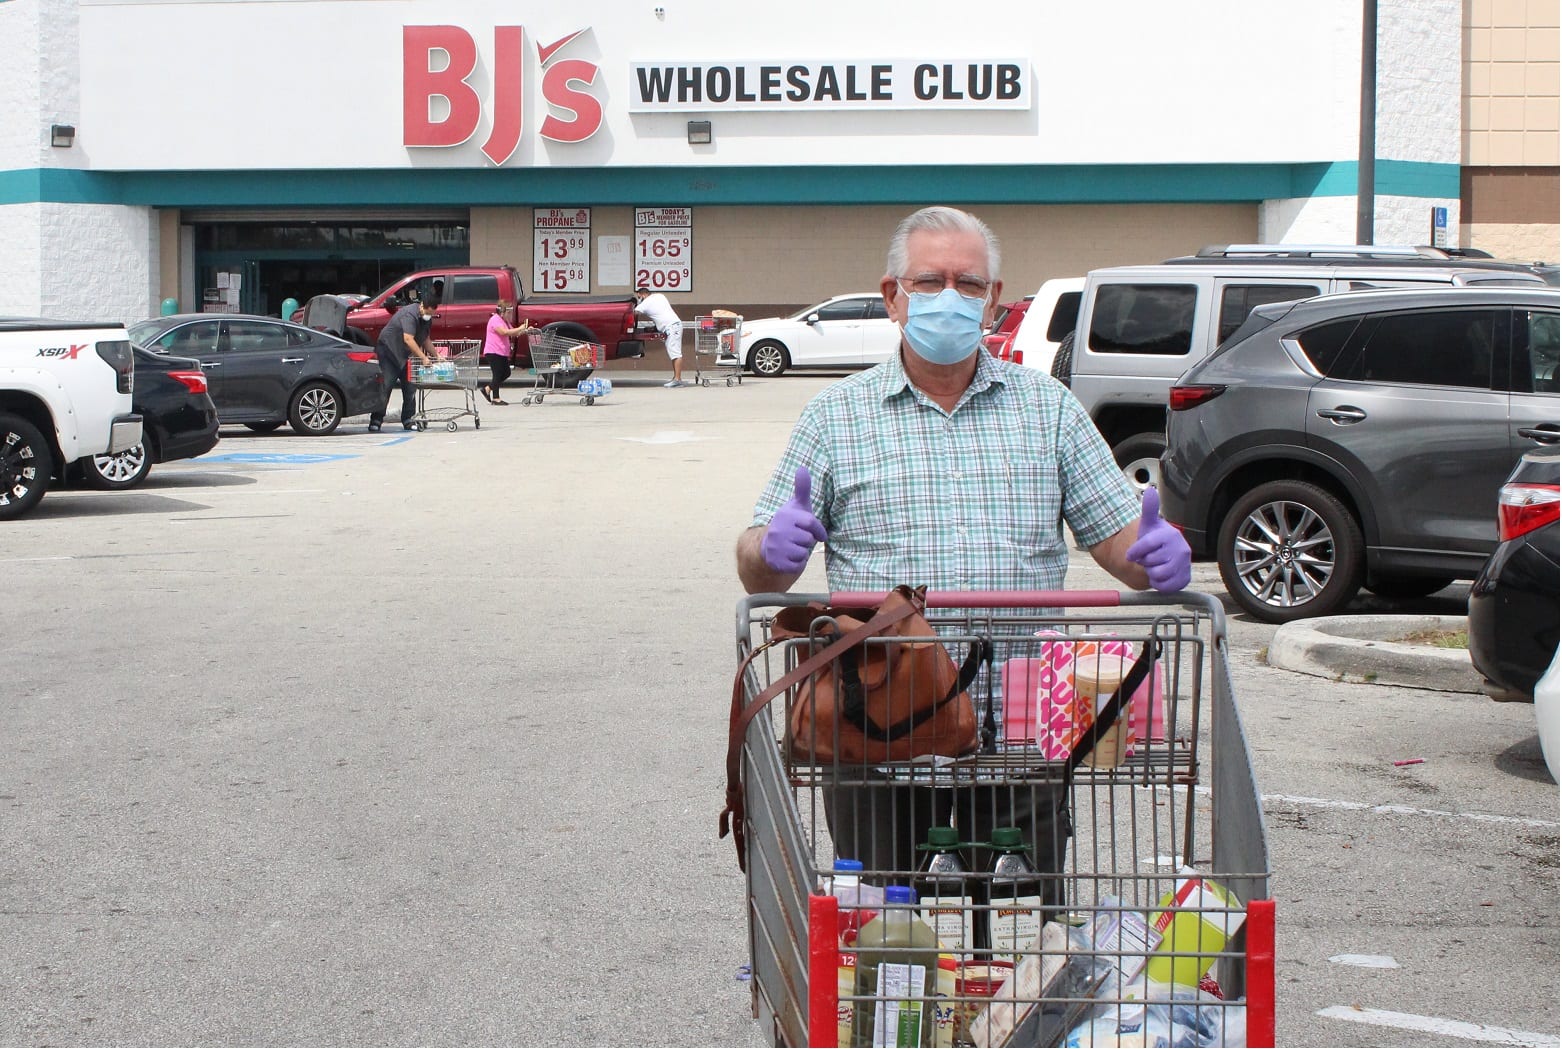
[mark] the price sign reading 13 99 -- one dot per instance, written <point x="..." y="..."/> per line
<point x="561" y="250"/>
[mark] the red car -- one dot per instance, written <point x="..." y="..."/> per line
<point x="1000" y="339"/>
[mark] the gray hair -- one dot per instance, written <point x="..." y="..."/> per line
<point x="943" y="220"/>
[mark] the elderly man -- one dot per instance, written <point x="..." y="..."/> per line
<point x="946" y="467"/>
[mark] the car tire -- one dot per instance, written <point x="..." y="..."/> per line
<point x="270" y="427"/>
<point x="1063" y="361"/>
<point x="1290" y="550"/>
<point x="315" y="410"/>
<point x="1408" y="586"/>
<point x="117" y="472"/>
<point x="768" y="359"/>
<point x="1140" y="458"/>
<point x="26" y="466"/>
<point x="570" y="330"/>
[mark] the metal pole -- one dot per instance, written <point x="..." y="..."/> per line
<point x="1366" y="161"/>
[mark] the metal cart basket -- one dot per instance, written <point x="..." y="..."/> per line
<point x="561" y="365"/>
<point x="717" y="336"/>
<point x="455" y="367"/>
<point x="1167" y="830"/>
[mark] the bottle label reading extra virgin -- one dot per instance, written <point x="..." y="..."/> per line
<point x="1015" y="925"/>
<point x="950" y="917"/>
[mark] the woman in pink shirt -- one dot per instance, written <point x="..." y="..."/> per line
<point x="496" y="351"/>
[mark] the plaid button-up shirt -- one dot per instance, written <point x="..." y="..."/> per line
<point x="973" y="499"/>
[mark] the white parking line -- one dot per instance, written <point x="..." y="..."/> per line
<point x="1365" y="961"/>
<point x="1436" y="1025"/>
<point x="24" y="560"/>
<point x="1405" y="810"/>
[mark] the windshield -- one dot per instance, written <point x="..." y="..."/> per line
<point x="144" y="332"/>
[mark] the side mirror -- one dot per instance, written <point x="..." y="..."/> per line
<point x="813" y="318"/>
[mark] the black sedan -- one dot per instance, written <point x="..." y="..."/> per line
<point x="178" y="421"/>
<point x="1513" y="603"/>
<point x="264" y="371"/>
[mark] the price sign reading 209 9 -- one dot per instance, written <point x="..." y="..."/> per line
<point x="561" y="249"/>
<point x="664" y="249"/>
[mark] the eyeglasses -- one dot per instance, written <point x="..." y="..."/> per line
<point x="968" y="285"/>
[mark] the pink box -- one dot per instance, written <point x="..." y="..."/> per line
<point x="1039" y="702"/>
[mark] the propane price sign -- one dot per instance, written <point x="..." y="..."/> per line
<point x="664" y="249"/>
<point x="561" y="248"/>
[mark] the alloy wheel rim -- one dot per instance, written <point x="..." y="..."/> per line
<point x="767" y="360"/>
<point x="122" y="466"/>
<point x="317" y="408"/>
<point x="1284" y="554"/>
<point x="16" y="466"/>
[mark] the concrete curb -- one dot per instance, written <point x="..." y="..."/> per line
<point x="1358" y="649"/>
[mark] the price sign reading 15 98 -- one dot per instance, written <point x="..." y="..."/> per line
<point x="561" y="249"/>
<point x="662" y="260"/>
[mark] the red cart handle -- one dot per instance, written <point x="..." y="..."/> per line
<point x="989" y="598"/>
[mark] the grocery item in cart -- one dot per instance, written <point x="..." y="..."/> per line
<point x="897" y="964"/>
<point x="1014" y="914"/>
<point x="1196" y="920"/>
<point x="1063" y="713"/>
<point x="1095" y="679"/>
<point x="946" y="893"/>
<point x="1186" y="1018"/>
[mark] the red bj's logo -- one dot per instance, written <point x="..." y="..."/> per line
<point x="439" y="60"/>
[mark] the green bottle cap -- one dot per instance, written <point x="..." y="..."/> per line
<point x="942" y="838"/>
<point x="1008" y="839"/>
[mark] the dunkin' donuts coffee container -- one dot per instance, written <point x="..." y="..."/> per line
<point x="1100" y="676"/>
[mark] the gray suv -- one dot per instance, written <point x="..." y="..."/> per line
<point x="1142" y="326"/>
<point x="1359" y="439"/>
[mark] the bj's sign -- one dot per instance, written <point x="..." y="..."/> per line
<point x="441" y="106"/>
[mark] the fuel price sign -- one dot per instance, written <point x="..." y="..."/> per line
<point x="664" y="249"/>
<point x="561" y="250"/>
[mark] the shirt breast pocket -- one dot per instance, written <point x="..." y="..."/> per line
<point x="1034" y="514"/>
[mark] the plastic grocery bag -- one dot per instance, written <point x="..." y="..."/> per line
<point x="1168" y="1017"/>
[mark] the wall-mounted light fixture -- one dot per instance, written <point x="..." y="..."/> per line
<point x="61" y="135"/>
<point x="699" y="133"/>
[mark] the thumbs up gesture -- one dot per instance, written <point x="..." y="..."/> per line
<point x="1160" y="548"/>
<point x="794" y="529"/>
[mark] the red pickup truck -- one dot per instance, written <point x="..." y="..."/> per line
<point x="468" y="295"/>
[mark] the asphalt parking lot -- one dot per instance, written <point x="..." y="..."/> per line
<point x="417" y="739"/>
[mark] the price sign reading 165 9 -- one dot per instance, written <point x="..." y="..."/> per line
<point x="662" y="260"/>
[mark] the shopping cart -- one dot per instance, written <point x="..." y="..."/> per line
<point x="1183" y="795"/>
<point x="455" y="367"/>
<point x="717" y="336"/>
<point x="563" y="366"/>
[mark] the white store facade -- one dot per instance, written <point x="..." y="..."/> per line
<point x="230" y="153"/>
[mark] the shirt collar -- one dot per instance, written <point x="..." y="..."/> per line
<point x="892" y="380"/>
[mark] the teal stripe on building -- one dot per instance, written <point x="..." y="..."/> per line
<point x="817" y="185"/>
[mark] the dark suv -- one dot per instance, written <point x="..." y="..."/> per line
<point x="1359" y="439"/>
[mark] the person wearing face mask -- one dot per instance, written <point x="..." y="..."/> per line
<point x="407" y="335"/>
<point x="947" y="468"/>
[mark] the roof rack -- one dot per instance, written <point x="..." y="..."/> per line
<point x="1313" y="251"/>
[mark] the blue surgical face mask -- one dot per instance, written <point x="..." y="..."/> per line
<point x="945" y="328"/>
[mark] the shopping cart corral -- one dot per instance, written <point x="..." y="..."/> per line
<point x="1153" y="927"/>
<point x="455" y="367"/>
<point x="717" y="336"/>
<point x="564" y="366"/>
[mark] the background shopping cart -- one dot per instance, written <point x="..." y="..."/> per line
<point x="456" y="367"/>
<point x="561" y="365"/>
<point x="718" y="336"/>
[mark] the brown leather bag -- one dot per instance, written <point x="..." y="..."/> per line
<point x="882" y="699"/>
<point x="857" y="701"/>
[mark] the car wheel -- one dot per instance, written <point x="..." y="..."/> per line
<point x="1290" y="550"/>
<point x="1140" y="458"/>
<point x="114" y="473"/>
<point x="1063" y="362"/>
<point x="1407" y="586"/>
<point x="316" y="410"/>
<point x="26" y="465"/>
<point x="768" y="358"/>
<point x="263" y="427"/>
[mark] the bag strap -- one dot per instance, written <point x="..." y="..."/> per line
<point x="731" y="818"/>
<point x="1109" y="714"/>
<point x="854" y="706"/>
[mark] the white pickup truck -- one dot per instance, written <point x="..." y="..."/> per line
<point x="64" y="393"/>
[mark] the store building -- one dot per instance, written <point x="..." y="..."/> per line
<point x="232" y="153"/>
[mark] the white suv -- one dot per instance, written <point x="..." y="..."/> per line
<point x="1140" y="327"/>
<point x="64" y="394"/>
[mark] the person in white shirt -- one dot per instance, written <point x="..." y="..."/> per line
<point x="655" y="307"/>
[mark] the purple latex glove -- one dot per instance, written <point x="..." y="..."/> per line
<point x="1160" y="548"/>
<point x="794" y="529"/>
